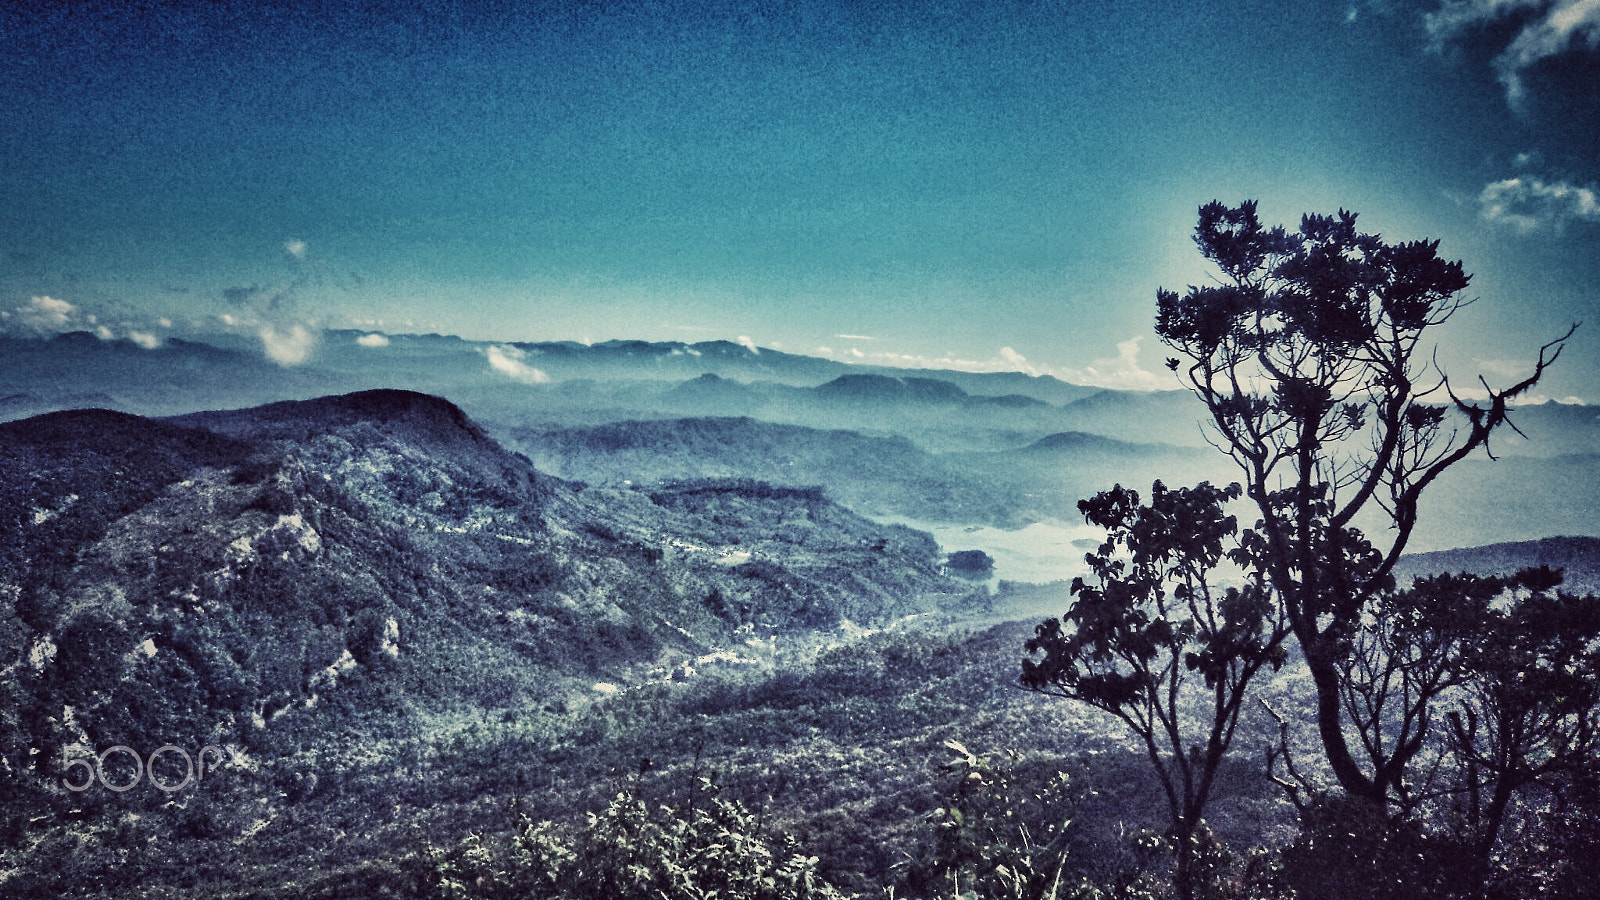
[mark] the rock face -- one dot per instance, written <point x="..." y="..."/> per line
<point x="241" y="577"/>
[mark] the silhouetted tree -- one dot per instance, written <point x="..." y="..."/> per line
<point x="1528" y="712"/>
<point x="1513" y="667"/>
<point x="1310" y="356"/>
<point x="1151" y="623"/>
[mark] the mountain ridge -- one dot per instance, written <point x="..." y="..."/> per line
<point x="275" y="574"/>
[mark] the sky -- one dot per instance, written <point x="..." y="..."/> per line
<point x="976" y="185"/>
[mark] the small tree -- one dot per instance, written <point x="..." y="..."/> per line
<point x="1152" y="622"/>
<point x="1309" y="355"/>
<point x="971" y="564"/>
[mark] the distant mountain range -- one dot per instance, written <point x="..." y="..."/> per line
<point x="872" y="475"/>
<point x="1577" y="557"/>
<point x="36" y="373"/>
<point x="940" y="446"/>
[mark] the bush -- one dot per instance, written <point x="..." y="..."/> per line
<point x="1350" y="848"/>
<point x="709" y="847"/>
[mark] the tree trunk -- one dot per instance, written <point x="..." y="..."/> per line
<point x="1330" y="724"/>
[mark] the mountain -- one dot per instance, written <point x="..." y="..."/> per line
<point x="911" y="389"/>
<point x="227" y="370"/>
<point x="1536" y="489"/>
<point x="263" y="578"/>
<point x="886" y="389"/>
<point x="406" y="635"/>
<point x="77" y="370"/>
<point x="1577" y="557"/>
<point x="1552" y="429"/>
<point x="887" y="476"/>
<point x="1483" y="501"/>
<point x="1050" y="475"/>
<point x="1166" y="417"/>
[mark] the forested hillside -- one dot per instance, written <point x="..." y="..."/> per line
<point x="311" y="576"/>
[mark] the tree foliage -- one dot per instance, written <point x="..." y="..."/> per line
<point x="1529" y="710"/>
<point x="1311" y="356"/>
<point x="710" y="847"/>
<point x="1435" y="703"/>
<point x="997" y="837"/>
<point x="1154" y="621"/>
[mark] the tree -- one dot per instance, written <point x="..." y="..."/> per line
<point x="997" y="835"/>
<point x="1529" y="711"/>
<point x="1309" y="353"/>
<point x="1135" y="639"/>
<point x="1513" y="669"/>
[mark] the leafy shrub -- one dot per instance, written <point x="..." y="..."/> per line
<point x="994" y="837"/>
<point x="709" y="847"/>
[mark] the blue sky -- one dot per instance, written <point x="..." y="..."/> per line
<point x="983" y="185"/>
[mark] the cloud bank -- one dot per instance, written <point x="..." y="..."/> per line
<point x="1119" y="372"/>
<point x="145" y="339"/>
<point x="46" y="315"/>
<point x="507" y="360"/>
<point x="373" y="340"/>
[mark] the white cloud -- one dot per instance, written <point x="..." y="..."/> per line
<point x="373" y="340"/>
<point x="1121" y="372"/>
<point x="45" y="314"/>
<point x="1018" y="360"/>
<point x="745" y="342"/>
<point x="287" y="348"/>
<point x="145" y="339"/>
<point x="296" y="248"/>
<point x="507" y="360"/>
<point x="1529" y="204"/>
<point x="855" y="337"/>
<point x="164" y="322"/>
<point x="1554" y="28"/>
